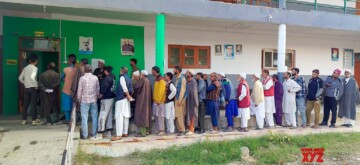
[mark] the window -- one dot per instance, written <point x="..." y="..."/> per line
<point x="270" y="59"/>
<point x="197" y="57"/>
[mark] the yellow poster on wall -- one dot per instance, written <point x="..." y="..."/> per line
<point x="11" y="62"/>
<point x="38" y="34"/>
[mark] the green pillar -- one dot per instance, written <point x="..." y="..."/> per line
<point x="160" y="42"/>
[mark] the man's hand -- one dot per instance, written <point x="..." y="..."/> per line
<point x="179" y="103"/>
<point x="217" y="84"/>
<point x="226" y="102"/>
<point x="130" y="98"/>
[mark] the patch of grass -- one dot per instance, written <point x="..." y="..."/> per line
<point x="270" y="149"/>
<point x="83" y="158"/>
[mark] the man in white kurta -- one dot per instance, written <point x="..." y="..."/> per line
<point x="122" y="105"/>
<point x="289" y="99"/>
<point x="268" y="86"/>
<point x="243" y="93"/>
<point x="258" y="102"/>
<point x="169" y="103"/>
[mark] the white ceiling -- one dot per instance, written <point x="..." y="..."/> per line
<point x="182" y="21"/>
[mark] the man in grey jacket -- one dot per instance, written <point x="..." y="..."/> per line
<point x="333" y="89"/>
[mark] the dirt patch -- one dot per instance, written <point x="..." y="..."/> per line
<point x="125" y="160"/>
<point x="33" y="142"/>
<point x="16" y="148"/>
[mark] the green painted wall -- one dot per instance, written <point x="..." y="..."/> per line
<point x="106" y="39"/>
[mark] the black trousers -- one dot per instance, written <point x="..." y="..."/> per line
<point x="201" y="115"/>
<point x="30" y="101"/>
<point x="330" y="104"/>
<point x="49" y="103"/>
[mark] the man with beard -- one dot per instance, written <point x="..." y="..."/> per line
<point x="231" y="108"/>
<point x="180" y="100"/>
<point x="289" y="99"/>
<point x="315" y="90"/>
<point x="333" y="89"/>
<point x="243" y="95"/>
<point x="142" y="92"/>
<point x="348" y="100"/>
<point x="192" y="102"/>
<point x="300" y="97"/>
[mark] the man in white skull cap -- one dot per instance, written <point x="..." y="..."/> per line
<point x="258" y="101"/>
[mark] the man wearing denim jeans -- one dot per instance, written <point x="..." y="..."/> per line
<point x="88" y="92"/>
<point x="300" y="97"/>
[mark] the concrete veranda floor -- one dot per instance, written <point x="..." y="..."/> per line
<point x="26" y="144"/>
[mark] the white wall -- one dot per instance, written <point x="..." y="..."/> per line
<point x="312" y="52"/>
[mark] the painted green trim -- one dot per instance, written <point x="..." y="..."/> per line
<point x="344" y="6"/>
<point x="160" y="41"/>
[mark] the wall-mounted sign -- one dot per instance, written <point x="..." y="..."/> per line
<point x="11" y="62"/>
<point x="38" y="34"/>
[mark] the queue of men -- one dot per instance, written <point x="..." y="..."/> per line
<point x="180" y="102"/>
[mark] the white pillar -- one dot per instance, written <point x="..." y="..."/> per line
<point x="281" y="68"/>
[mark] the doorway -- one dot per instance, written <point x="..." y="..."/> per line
<point x="47" y="53"/>
<point x="357" y="67"/>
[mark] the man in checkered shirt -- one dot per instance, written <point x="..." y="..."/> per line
<point x="88" y="92"/>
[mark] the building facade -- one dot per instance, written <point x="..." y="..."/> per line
<point x="202" y="35"/>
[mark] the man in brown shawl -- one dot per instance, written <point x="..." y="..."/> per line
<point x="142" y="90"/>
<point x="348" y="100"/>
<point x="192" y="102"/>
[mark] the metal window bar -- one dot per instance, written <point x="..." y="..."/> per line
<point x="67" y="154"/>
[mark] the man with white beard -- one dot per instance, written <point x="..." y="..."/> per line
<point x="289" y="100"/>
<point x="258" y="102"/>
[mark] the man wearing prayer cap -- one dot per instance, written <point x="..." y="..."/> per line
<point x="144" y="72"/>
<point x="243" y="96"/>
<point x="348" y="100"/>
<point x="290" y="87"/>
<point x="258" y="102"/>
<point x="333" y="89"/>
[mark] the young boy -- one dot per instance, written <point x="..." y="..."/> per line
<point x="169" y="103"/>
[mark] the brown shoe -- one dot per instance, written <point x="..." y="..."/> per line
<point x="116" y="138"/>
<point x="125" y="135"/>
<point x="314" y="126"/>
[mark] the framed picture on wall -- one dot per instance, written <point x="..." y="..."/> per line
<point x="127" y="47"/>
<point x="229" y="52"/>
<point x="348" y="59"/>
<point x="334" y="54"/>
<point x="238" y="49"/>
<point x="218" y="50"/>
<point x="85" y="45"/>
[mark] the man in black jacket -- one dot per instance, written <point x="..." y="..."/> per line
<point x="107" y="94"/>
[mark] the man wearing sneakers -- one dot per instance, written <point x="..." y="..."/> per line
<point x="28" y="78"/>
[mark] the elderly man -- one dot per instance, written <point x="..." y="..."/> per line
<point x="192" y="102"/>
<point x="107" y="94"/>
<point x="333" y="89"/>
<point x="48" y="83"/>
<point x="142" y="90"/>
<point x="231" y="107"/>
<point x="159" y="97"/>
<point x="278" y="95"/>
<point x="268" y="86"/>
<point x="122" y="104"/>
<point x="315" y="90"/>
<point x="202" y="99"/>
<point x="289" y="99"/>
<point x="348" y="100"/>
<point x="212" y="102"/>
<point x="169" y="103"/>
<point x="258" y="102"/>
<point x="180" y="100"/>
<point x="243" y="95"/>
<point x="300" y="97"/>
<point x="87" y="94"/>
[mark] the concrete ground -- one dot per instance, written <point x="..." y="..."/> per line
<point x="26" y="144"/>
